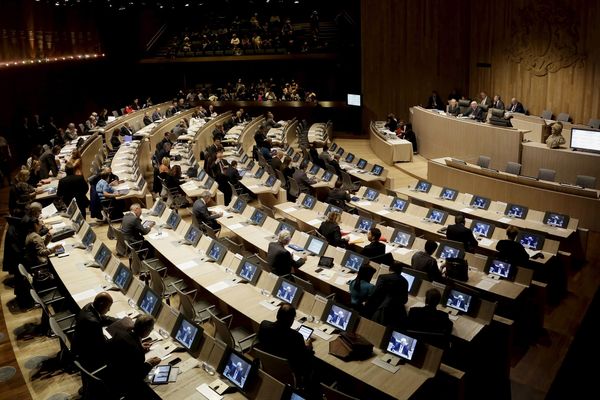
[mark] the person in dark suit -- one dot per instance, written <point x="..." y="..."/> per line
<point x="48" y="163"/>
<point x="498" y="103"/>
<point x="473" y="112"/>
<point x="147" y="120"/>
<point x="431" y="320"/>
<point x="73" y="187"/>
<point x="386" y="305"/>
<point x="330" y="229"/>
<point x="303" y="182"/>
<point x="218" y="132"/>
<point x="338" y="196"/>
<point x="278" y="338"/>
<point x="435" y="102"/>
<point x="510" y="250"/>
<point x="279" y="259"/>
<point x="131" y="225"/>
<point x="115" y="142"/>
<point x="276" y="161"/>
<point x="453" y="107"/>
<point x="515" y="106"/>
<point x="219" y="172"/>
<point x="423" y="261"/>
<point x="484" y="99"/>
<point x="460" y="233"/>
<point x="126" y="130"/>
<point x="335" y="163"/>
<point x="127" y="366"/>
<point x="232" y="173"/>
<point x="201" y="212"/>
<point x="391" y="123"/>
<point x="375" y="248"/>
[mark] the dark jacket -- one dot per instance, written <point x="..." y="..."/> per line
<point x="512" y="251"/>
<point x="303" y="181"/>
<point x="421" y="261"/>
<point x="430" y="320"/>
<point x="280" y="260"/>
<point x="126" y="361"/>
<point x="73" y="186"/>
<point x="132" y="228"/>
<point x="386" y="305"/>
<point x="373" y="249"/>
<point x="462" y="234"/>
<point x="285" y="342"/>
<point x="89" y="343"/>
<point x="47" y="165"/>
<point x="202" y="214"/>
<point x="332" y="233"/>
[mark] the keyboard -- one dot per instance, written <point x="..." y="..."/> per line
<point x="295" y="247"/>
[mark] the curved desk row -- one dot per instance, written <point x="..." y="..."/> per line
<point x="389" y="150"/>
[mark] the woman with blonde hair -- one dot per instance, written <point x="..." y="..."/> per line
<point x="330" y="229"/>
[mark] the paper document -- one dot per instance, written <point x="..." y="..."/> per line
<point x="217" y="287"/>
<point x="486" y="284"/>
<point x="49" y="210"/>
<point x="88" y="294"/>
<point x="187" y="265"/>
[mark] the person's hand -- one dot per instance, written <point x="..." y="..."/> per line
<point x="308" y="343"/>
<point x="147" y="344"/>
<point x="154" y="361"/>
<point x="220" y="214"/>
<point x="303" y="257"/>
<point x="56" y="249"/>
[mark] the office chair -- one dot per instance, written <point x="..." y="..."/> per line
<point x="563" y="117"/>
<point x="278" y="367"/>
<point x="545" y="174"/>
<point x="294" y="190"/>
<point x="120" y="247"/>
<point x="95" y="387"/>
<point x="49" y="295"/>
<point x="594" y="123"/>
<point x="193" y="308"/>
<point x="546" y="114"/>
<point x="586" y="182"/>
<point x="64" y="356"/>
<point x="165" y="285"/>
<point x="513" y="168"/>
<point x="484" y="161"/>
<point x="66" y="319"/>
<point x="331" y="393"/>
<point x="237" y="338"/>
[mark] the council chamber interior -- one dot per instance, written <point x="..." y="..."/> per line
<point x="294" y="199"/>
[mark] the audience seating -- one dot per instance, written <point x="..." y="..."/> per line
<point x="545" y="174"/>
<point x="513" y="168"/>
<point x="563" y="117"/>
<point x="586" y="181"/>
<point x="546" y="114"/>
<point x="484" y="161"/>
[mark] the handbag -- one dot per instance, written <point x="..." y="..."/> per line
<point x="457" y="268"/>
<point x="350" y="347"/>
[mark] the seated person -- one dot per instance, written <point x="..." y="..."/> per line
<point x="474" y="112"/>
<point x="423" y="261"/>
<point x="361" y="287"/>
<point x="36" y="250"/>
<point x="338" y="196"/>
<point x="556" y="139"/>
<point x="510" y="250"/>
<point x="304" y="184"/>
<point x="460" y="233"/>
<point x="104" y="187"/>
<point x="131" y="225"/>
<point x="391" y="123"/>
<point x="330" y="229"/>
<point x="201" y="212"/>
<point x="280" y="259"/>
<point x="233" y="174"/>
<point x="375" y="248"/>
<point x="431" y="320"/>
<point x="453" y="107"/>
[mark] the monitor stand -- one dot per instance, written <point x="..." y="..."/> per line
<point x="221" y="387"/>
<point x="391" y="359"/>
<point x="328" y="329"/>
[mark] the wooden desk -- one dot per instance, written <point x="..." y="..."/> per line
<point x="135" y="119"/>
<point x="440" y="136"/>
<point x="389" y="151"/>
<point x="268" y="196"/>
<point x="121" y="166"/>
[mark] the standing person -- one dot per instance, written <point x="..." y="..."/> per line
<point x="386" y="305"/>
<point x="48" y="163"/>
<point x="361" y="287"/>
<point x="73" y="186"/>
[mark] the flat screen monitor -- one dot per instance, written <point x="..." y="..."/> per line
<point x="122" y="277"/>
<point x="201" y="174"/>
<point x="296" y="157"/>
<point x="413" y="282"/>
<point x="585" y="140"/>
<point x="216" y="251"/>
<point x="89" y="238"/>
<point x="287" y="291"/>
<point x="349" y="158"/>
<point x="244" y="159"/>
<point x="259" y="173"/>
<point x="482" y="203"/>
<point x="149" y="301"/>
<point x="283" y="226"/>
<point x="309" y="202"/>
<point x="289" y="151"/>
<point x="316" y="246"/>
<point x="159" y="208"/>
<point x="332" y="208"/>
<point x="450" y="249"/>
<point x="239" y="205"/>
<point x="516" y="211"/>
<point x="556" y="219"/>
<point x="78" y="221"/>
<point x="238" y="370"/>
<point x="209" y="183"/>
<point x="377" y="170"/>
<point x="187" y="333"/>
<point x="437" y="216"/>
<point x="361" y="164"/>
<point x="72" y="208"/>
<point x="340" y="317"/>
<point x="423" y="186"/>
<point x="448" y="194"/>
<point x="530" y="240"/>
<point x="399" y="204"/>
<point x="402" y="345"/>
<point x="364" y="224"/>
<point x="353" y="100"/>
<point x="403" y="238"/>
<point x="192" y="236"/>
<point x="249" y="271"/>
<point x="340" y="151"/>
<point x="353" y="261"/>
<point x="370" y="194"/>
<point x="173" y="220"/>
<point x="499" y="268"/>
<point x="333" y="147"/>
<point x="314" y="169"/>
<point x="270" y="181"/>
<point x="251" y="165"/>
<point x="102" y="256"/>
<point x="482" y="228"/>
<point x="258" y="217"/>
<point x="327" y="175"/>
<point x="459" y="301"/>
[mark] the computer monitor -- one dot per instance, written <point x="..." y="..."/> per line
<point x="327" y="175"/>
<point x="516" y="211"/>
<point x="353" y="99"/>
<point x="270" y="181"/>
<point x="585" y="140"/>
<point x="89" y="238"/>
<point x="377" y="170"/>
<point x="349" y="158"/>
<point x="192" y="236"/>
<point x="216" y="251"/>
<point x="102" y="256"/>
<point x="332" y="208"/>
<point x="556" y="219"/>
<point x="353" y="261"/>
<point x="530" y="240"/>
<point x="436" y="216"/>
<point x="258" y="217"/>
<point x="500" y="268"/>
<point x="173" y="220"/>
<point x="239" y="205"/>
<point x="244" y="159"/>
<point x="208" y="183"/>
<point x="78" y="220"/>
<point x="364" y="224"/>
<point x="370" y="194"/>
<point x="72" y="208"/>
<point x="187" y="333"/>
<point x="122" y="277"/>
<point x="259" y="173"/>
<point x="399" y="204"/>
<point x="423" y="186"/>
<point x="149" y="301"/>
<point x="413" y="282"/>
<point x="309" y="202"/>
<point x="296" y="157"/>
<point x="459" y="301"/>
<point x="201" y="174"/>
<point x="361" y="164"/>
<point x="316" y="246"/>
<point x="238" y="370"/>
<point x="288" y="291"/>
<point x="482" y="228"/>
<point x="333" y="147"/>
<point x="402" y="345"/>
<point x="140" y="183"/>
<point x="314" y="169"/>
<point x="340" y="151"/>
<point x="283" y="226"/>
<point x="249" y="271"/>
<point x="450" y="249"/>
<point x="340" y="317"/>
<point x="448" y="194"/>
<point x="251" y="165"/>
<point x="403" y="238"/>
<point x="289" y="151"/>
<point x="482" y="203"/>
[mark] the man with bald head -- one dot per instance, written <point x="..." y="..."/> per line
<point x="473" y="112"/>
<point x="131" y="225"/>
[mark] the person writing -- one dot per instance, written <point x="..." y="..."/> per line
<point x="556" y="138"/>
